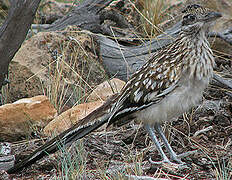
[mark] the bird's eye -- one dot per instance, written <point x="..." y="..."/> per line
<point x="190" y="17"/>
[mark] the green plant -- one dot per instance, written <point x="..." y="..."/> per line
<point x="224" y="170"/>
<point x="72" y="164"/>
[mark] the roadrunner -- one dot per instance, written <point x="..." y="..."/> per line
<point x="170" y="83"/>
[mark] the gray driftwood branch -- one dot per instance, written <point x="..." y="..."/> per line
<point x="122" y="61"/>
<point x="14" y="30"/>
<point x="86" y="16"/>
<point x="226" y="35"/>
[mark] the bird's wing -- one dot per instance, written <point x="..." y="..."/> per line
<point x="149" y="85"/>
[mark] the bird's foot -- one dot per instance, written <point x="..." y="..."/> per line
<point x="165" y="161"/>
<point x="170" y="165"/>
<point x="179" y="156"/>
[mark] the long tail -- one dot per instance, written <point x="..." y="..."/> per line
<point x="93" y="121"/>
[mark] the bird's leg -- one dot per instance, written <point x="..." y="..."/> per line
<point x="150" y="130"/>
<point x="173" y="155"/>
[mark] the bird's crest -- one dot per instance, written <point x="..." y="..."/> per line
<point x="197" y="15"/>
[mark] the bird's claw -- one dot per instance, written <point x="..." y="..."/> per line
<point x="167" y="163"/>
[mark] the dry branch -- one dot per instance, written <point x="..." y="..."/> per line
<point x="86" y="16"/>
<point x="14" y="30"/>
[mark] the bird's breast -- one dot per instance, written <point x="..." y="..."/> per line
<point x="187" y="95"/>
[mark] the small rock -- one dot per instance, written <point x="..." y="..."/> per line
<point x="5" y="148"/>
<point x="106" y="89"/>
<point x="4" y="175"/>
<point x="18" y="118"/>
<point x="6" y="162"/>
<point x="23" y="83"/>
<point x="70" y="117"/>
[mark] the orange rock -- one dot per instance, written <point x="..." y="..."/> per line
<point x="106" y="89"/>
<point x="70" y="117"/>
<point x="19" y="118"/>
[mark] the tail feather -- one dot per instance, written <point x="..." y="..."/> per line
<point x="66" y="138"/>
<point x="90" y="123"/>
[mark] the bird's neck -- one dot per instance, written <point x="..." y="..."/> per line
<point x="200" y="55"/>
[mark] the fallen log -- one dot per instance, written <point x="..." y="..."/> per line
<point x="122" y="61"/>
<point x="14" y="31"/>
<point x="86" y="16"/>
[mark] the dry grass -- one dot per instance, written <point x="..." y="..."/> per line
<point x="4" y="94"/>
<point x="56" y="90"/>
<point x="224" y="169"/>
<point x="3" y="14"/>
<point x="4" y="4"/>
<point x="74" y="71"/>
<point x="152" y="15"/>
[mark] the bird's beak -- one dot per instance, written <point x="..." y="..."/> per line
<point x="211" y="16"/>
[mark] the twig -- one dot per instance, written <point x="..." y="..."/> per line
<point x="226" y="35"/>
<point x="14" y="30"/>
<point x="223" y="81"/>
<point x="131" y="177"/>
<point x="203" y="131"/>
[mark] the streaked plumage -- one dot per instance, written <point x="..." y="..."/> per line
<point x="166" y="86"/>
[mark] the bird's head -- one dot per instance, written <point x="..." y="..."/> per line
<point x="197" y="18"/>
